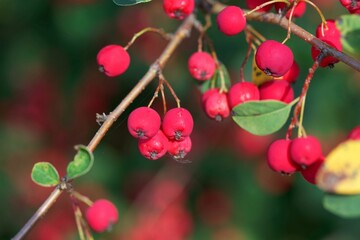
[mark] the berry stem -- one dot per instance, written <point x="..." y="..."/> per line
<point x="203" y="30"/>
<point x="323" y="20"/>
<point x="81" y="198"/>
<point x="171" y="90"/>
<point x="78" y="216"/>
<point x="264" y="5"/>
<point x="301" y="129"/>
<point x="156" y="94"/>
<point x="248" y="52"/>
<point x="145" y="30"/>
<point x="288" y="35"/>
<point x="254" y="33"/>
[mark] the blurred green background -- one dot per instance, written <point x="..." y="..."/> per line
<point x="50" y="91"/>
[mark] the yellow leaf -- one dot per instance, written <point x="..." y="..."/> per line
<point x="258" y="76"/>
<point x="340" y="173"/>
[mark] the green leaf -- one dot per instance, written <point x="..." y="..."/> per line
<point x="215" y="81"/>
<point x="45" y="174"/>
<point x="129" y="2"/>
<point x="349" y="27"/>
<point x="81" y="164"/>
<point x="262" y="117"/>
<point x="342" y="205"/>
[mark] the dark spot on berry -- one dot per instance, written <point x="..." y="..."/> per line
<point x="203" y="74"/>
<point x="178" y="135"/>
<point x="153" y="155"/>
<point x="331" y="65"/>
<point x="218" y="118"/>
<point x="101" y="68"/>
<point x="179" y="14"/>
<point x="140" y="133"/>
<point x="267" y="71"/>
<point x="303" y="166"/>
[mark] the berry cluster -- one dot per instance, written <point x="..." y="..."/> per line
<point x="156" y="138"/>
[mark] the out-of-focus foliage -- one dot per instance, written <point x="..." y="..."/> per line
<point x="51" y="90"/>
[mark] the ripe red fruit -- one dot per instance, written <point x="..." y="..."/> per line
<point x="278" y="157"/>
<point x="201" y="66"/>
<point x="291" y="75"/>
<point x="206" y="94"/>
<point x="353" y="6"/>
<point x="274" y="58"/>
<point x="178" y="9"/>
<point x="179" y="149"/>
<point x="101" y="215"/>
<point x="113" y="60"/>
<point x="216" y="105"/>
<point x="231" y="20"/>
<point x="298" y="11"/>
<point x="155" y="147"/>
<point x="328" y="60"/>
<point x="280" y="90"/>
<point x="310" y="172"/>
<point x="143" y="123"/>
<point x="177" y="124"/>
<point x="330" y="31"/>
<point x="251" y="4"/>
<point x="354" y="134"/>
<point x="305" y="151"/>
<point x="242" y="92"/>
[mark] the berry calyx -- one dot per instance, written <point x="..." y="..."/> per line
<point x="179" y="149"/>
<point x="101" y="215"/>
<point x="279" y="159"/>
<point x="251" y="4"/>
<point x="155" y="147"/>
<point x="113" y="60"/>
<point x="242" y="92"/>
<point x="305" y="151"/>
<point x="143" y="123"/>
<point x="274" y="58"/>
<point x="309" y="174"/>
<point x="201" y="66"/>
<point x="280" y="90"/>
<point x="178" y="9"/>
<point x="216" y="105"/>
<point x="354" y="134"/>
<point x="231" y="20"/>
<point x="177" y="123"/>
<point x="291" y="75"/>
<point x="298" y="11"/>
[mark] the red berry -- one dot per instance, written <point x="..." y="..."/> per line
<point x="278" y="157"/>
<point x="330" y="30"/>
<point x="280" y="90"/>
<point x="328" y="60"/>
<point x="291" y="75"/>
<point x="178" y="9"/>
<point x="274" y="58"/>
<point x="298" y="11"/>
<point x="201" y="66"/>
<point x="206" y="95"/>
<point x="216" y="105"/>
<point x="354" y="134"/>
<point x="177" y="124"/>
<point x="113" y="60"/>
<point x="242" y="92"/>
<point x="101" y="215"/>
<point x="353" y="6"/>
<point x="251" y="4"/>
<point x="155" y="147"/>
<point x="305" y="151"/>
<point x="310" y="172"/>
<point x="179" y="149"/>
<point x="231" y="20"/>
<point x="143" y="123"/>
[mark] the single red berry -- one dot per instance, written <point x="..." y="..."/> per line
<point x="280" y="90"/>
<point x="328" y="31"/>
<point x="327" y="61"/>
<point x="113" y="60"/>
<point x="206" y="95"/>
<point x="242" y="92"/>
<point x="305" y="151"/>
<point x="298" y="11"/>
<point x="231" y="20"/>
<point x="310" y="172"/>
<point x="178" y="9"/>
<point x="177" y="124"/>
<point x="101" y="215"/>
<point x="155" y="147"/>
<point x="251" y="4"/>
<point x="291" y="75"/>
<point x="143" y="123"/>
<point x="279" y="159"/>
<point x="353" y="6"/>
<point x="216" y="105"/>
<point x="274" y="58"/>
<point x="179" y="149"/>
<point x="354" y="134"/>
<point x="201" y="66"/>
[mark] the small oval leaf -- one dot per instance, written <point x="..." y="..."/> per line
<point x="129" y="2"/>
<point x="45" y="174"/>
<point x="342" y="206"/>
<point x="81" y="164"/>
<point x="262" y="117"/>
<point x="215" y="81"/>
<point x="349" y="27"/>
